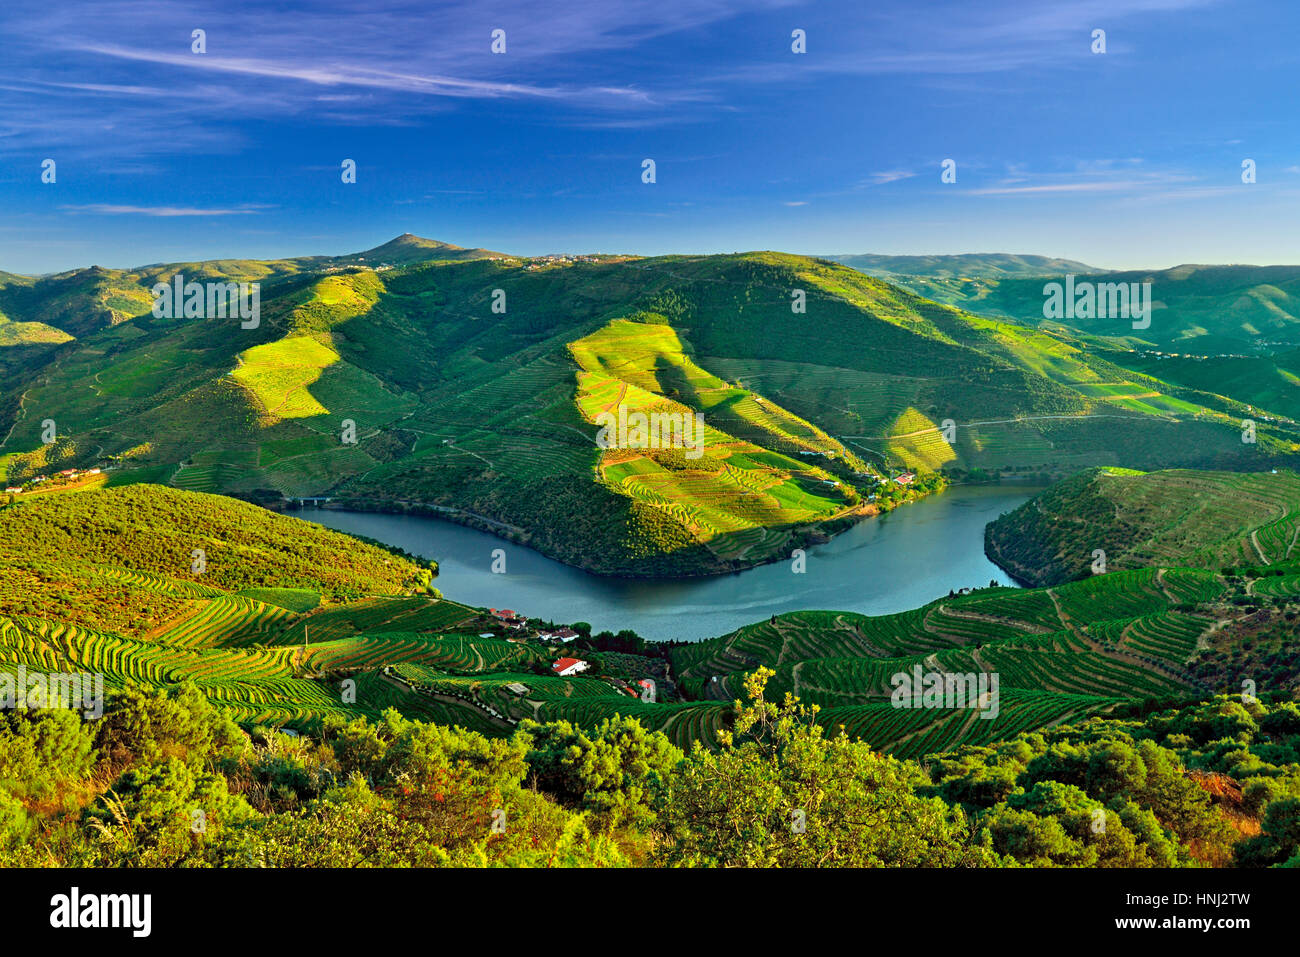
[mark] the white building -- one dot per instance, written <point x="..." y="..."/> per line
<point x="567" y="667"/>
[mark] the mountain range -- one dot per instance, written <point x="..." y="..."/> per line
<point x="421" y="376"/>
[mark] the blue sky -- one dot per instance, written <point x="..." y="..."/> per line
<point x="1131" y="158"/>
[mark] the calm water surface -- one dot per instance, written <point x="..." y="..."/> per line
<point x="898" y="561"/>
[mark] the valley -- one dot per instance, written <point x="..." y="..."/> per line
<point x="272" y="642"/>
<point x="831" y="475"/>
<point x="386" y="381"/>
<point x="888" y="564"/>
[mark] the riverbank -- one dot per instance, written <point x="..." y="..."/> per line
<point x="897" y="561"/>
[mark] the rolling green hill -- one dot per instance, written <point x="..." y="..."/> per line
<point x="392" y="380"/>
<point x="1206" y="310"/>
<point x="122" y="559"/>
<point x="281" y="613"/>
<point x="292" y="625"/>
<point x="960" y="266"/>
<point x="1269" y="383"/>
<point x="1201" y="519"/>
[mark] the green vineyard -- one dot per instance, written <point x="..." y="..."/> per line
<point x="293" y="648"/>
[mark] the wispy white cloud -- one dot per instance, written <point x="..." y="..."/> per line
<point x="1107" y="186"/>
<point x="83" y="76"/>
<point x="887" y="176"/>
<point x="1100" y="175"/>
<point x="112" y="209"/>
<point x="357" y="76"/>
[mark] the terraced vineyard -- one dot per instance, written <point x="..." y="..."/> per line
<point x="913" y="733"/>
<point x="719" y="482"/>
<point x="1208" y="520"/>
<point x="227" y="620"/>
<point x="1058" y="654"/>
<point x="292" y="647"/>
<point x="378" y="614"/>
<point x="459" y="653"/>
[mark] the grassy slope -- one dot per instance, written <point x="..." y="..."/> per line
<point x="1270" y="383"/>
<point x="734" y="485"/>
<point x="104" y="581"/>
<point x="1203" y="519"/>
<point x="56" y="546"/>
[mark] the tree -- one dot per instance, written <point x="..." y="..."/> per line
<point x="779" y="794"/>
<point x="144" y="726"/>
<point x="1279" y="840"/>
<point x="619" y="770"/>
<point x="168" y="815"/>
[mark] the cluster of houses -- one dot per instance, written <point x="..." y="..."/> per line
<point x="67" y="475"/>
<point x="642" y="690"/>
<point x="538" y="262"/>
<point x="508" y="619"/>
<point x="557" y="634"/>
<point x="512" y="621"/>
<point x="563" y="667"/>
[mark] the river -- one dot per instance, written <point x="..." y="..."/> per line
<point x="901" y="560"/>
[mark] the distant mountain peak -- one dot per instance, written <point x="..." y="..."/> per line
<point x="410" y="248"/>
<point x="411" y="239"/>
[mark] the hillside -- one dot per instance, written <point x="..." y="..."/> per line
<point x="1207" y="520"/>
<point x="122" y="559"/>
<point x="434" y="716"/>
<point x="1269" y="382"/>
<point x="103" y="580"/>
<point x="408" y="248"/>
<point x="108" y="581"/>
<point x="401" y="387"/>
<point x="1200" y="309"/>
<point x="963" y="265"/>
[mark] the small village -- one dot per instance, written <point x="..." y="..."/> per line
<point x="59" y="480"/>
<point x="517" y="628"/>
<point x="509" y="710"/>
